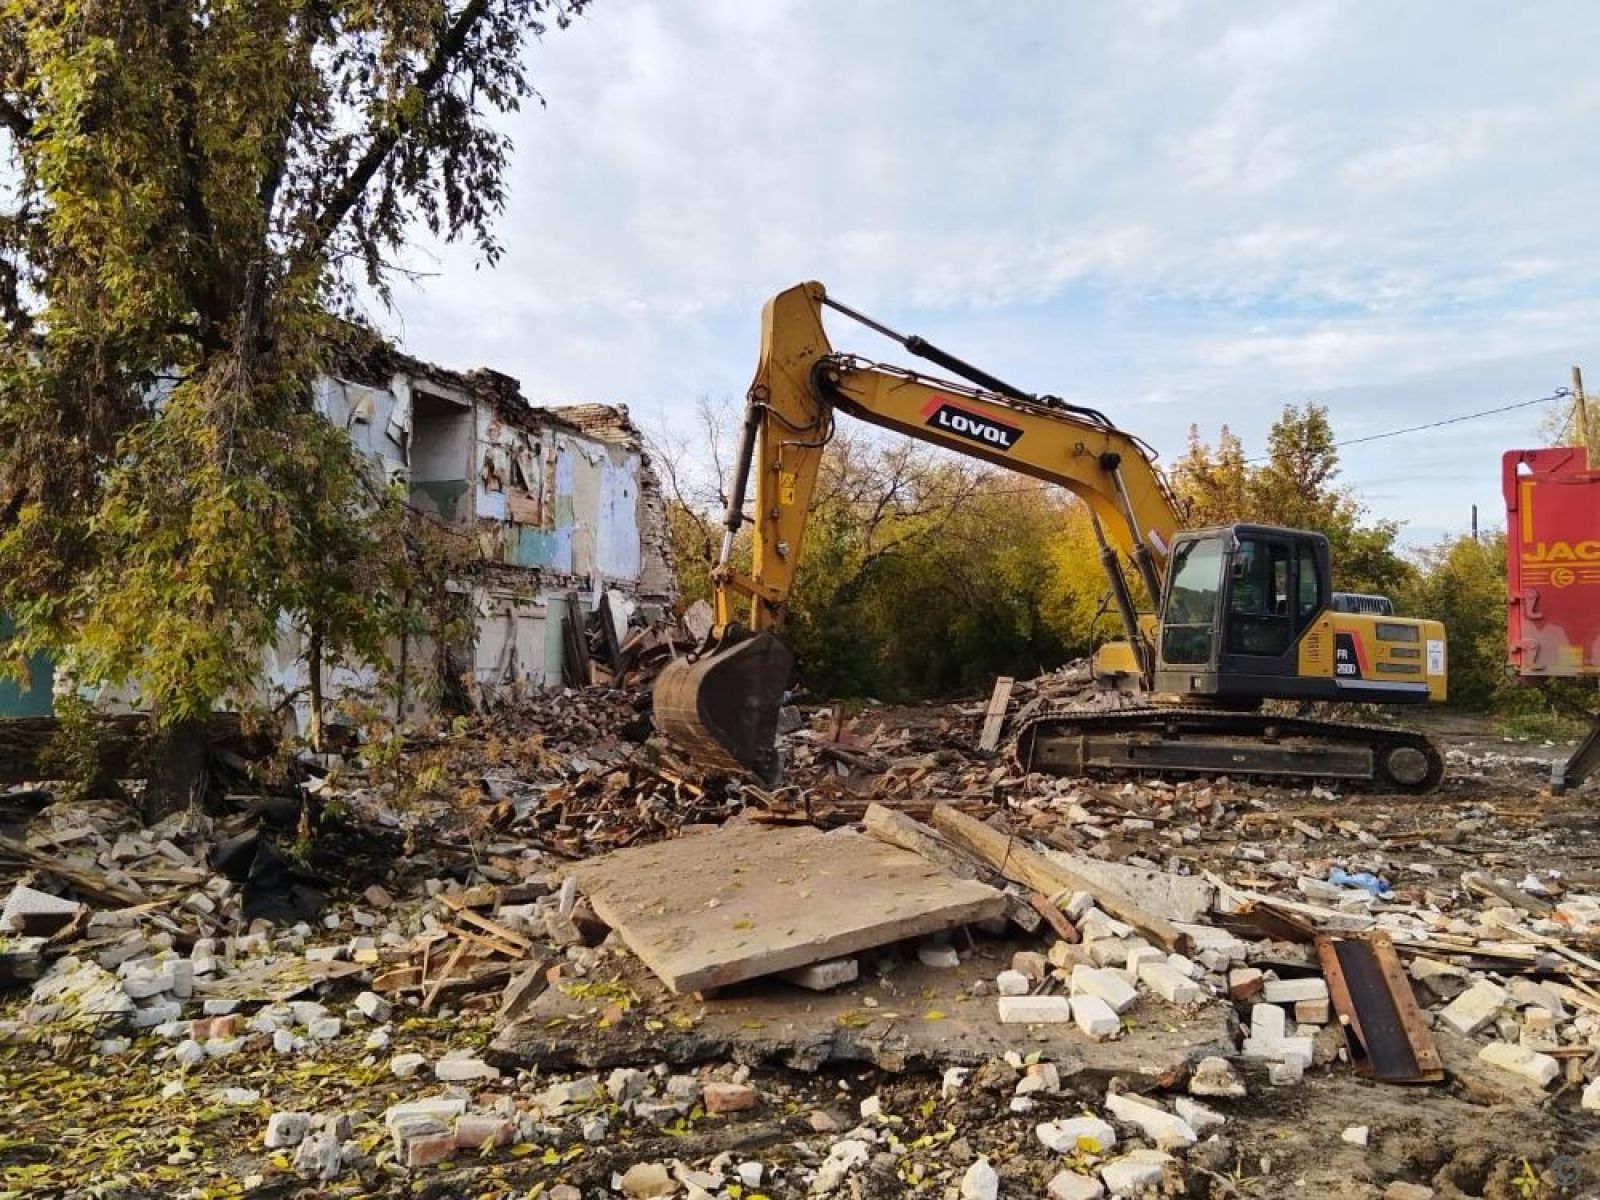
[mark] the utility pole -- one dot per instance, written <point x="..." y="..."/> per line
<point x="1580" y="407"/>
<point x="1474" y="522"/>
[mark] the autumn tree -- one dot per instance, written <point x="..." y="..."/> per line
<point x="1297" y="485"/>
<point x="196" y="188"/>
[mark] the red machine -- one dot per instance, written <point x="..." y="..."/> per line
<point x="1553" y="576"/>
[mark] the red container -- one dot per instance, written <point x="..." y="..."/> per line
<point x="1552" y="561"/>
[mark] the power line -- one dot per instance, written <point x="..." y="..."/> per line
<point x="1558" y="394"/>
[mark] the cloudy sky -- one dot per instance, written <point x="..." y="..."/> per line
<point x="1176" y="212"/>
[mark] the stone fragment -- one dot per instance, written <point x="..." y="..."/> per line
<point x="722" y="1098"/>
<point x="1069" y="1185"/>
<point x="938" y="955"/>
<point x="1356" y="1135"/>
<point x="319" y="1155"/>
<point x="461" y="1068"/>
<point x="1095" y="1017"/>
<point x="1199" y="1118"/>
<point x="1074" y="1135"/>
<point x="1215" y="1076"/>
<point x="1591" y="1096"/>
<point x="1519" y="1060"/>
<point x="955" y="1078"/>
<point x="1401" y="1190"/>
<point x="1034" y="1010"/>
<point x="981" y="1182"/>
<point x="643" y="1181"/>
<point x="1475" y="1008"/>
<point x="1136" y="1174"/>
<point x="1108" y="985"/>
<point x="626" y="1084"/>
<point x="325" y="1029"/>
<point x="189" y="1054"/>
<point x="285" y="1129"/>
<point x="1031" y="964"/>
<point x="374" y="1007"/>
<point x="1167" y="1130"/>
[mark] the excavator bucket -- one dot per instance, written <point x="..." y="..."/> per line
<point x="722" y="708"/>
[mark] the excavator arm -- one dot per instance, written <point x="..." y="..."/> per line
<point x="724" y="705"/>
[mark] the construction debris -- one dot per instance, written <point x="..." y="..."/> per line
<point x="479" y="993"/>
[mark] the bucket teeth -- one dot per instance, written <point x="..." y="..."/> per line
<point x="722" y="708"/>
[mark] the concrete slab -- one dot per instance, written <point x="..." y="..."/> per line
<point x="925" y="1018"/>
<point x="745" y="900"/>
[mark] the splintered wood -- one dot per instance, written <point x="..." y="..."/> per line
<point x="740" y="902"/>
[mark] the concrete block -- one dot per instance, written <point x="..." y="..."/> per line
<point x="1287" y="991"/>
<point x="1519" y="1060"/>
<point x="824" y="976"/>
<point x="1112" y="988"/>
<point x="1475" y="1008"/>
<point x="1169" y="983"/>
<point x="1095" y="1017"/>
<point x="1034" y="1010"/>
<point x="1167" y="1130"/>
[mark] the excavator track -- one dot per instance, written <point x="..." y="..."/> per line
<point x="1061" y="740"/>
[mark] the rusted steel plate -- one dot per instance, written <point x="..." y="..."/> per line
<point x="1383" y="1028"/>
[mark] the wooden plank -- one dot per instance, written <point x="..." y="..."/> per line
<point x="994" y="720"/>
<point x="897" y="828"/>
<point x="503" y="932"/>
<point x="743" y="901"/>
<point x="1013" y="859"/>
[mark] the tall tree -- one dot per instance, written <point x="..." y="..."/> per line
<point x="1296" y="485"/>
<point x="196" y="188"/>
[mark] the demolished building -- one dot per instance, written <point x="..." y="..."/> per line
<point x="558" y="505"/>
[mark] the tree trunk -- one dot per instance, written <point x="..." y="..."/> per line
<point x="314" y="669"/>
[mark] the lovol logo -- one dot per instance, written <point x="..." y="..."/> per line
<point x="975" y="427"/>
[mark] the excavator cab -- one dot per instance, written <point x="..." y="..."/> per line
<point x="1238" y="601"/>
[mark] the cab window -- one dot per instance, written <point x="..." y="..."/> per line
<point x="1191" y="613"/>
<point x="1258" y="598"/>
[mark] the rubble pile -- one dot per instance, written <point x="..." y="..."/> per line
<point x="1148" y="974"/>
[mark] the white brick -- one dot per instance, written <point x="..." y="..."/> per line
<point x="1287" y="991"/>
<point x="1112" y="988"/>
<point x="1519" y="1060"/>
<point x="1475" y="1007"/>
<point x="1140" y="954"/>
<point x="822" y="976"/>
<point x="1095" y="1017"/>
<point x="1312" y="1012"/>
<point x="1166" y="1130"/>
<point x="1011" y="983"/>
<point x="1591" y="1096"/>
<point x="1267" y="1021"/>
<point x="1285" y="1049"/>
<point x="1169" y="983"/>
<point x="1034" y="1010"/>
<point x="1185" y="966"/>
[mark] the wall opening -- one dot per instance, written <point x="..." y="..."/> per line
<point x="441" y="456"/>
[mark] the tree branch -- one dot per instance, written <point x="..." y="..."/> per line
<point x="14" y="119"/>
<point x="354" y="185"/>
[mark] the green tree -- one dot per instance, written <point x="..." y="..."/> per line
<point x="195" y="187"/>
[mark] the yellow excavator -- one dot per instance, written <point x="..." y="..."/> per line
<point x="1242" y="613"/>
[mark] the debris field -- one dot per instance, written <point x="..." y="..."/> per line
<point x="538" y="955"/>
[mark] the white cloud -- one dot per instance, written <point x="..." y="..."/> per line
<point x="1179" y="211"/>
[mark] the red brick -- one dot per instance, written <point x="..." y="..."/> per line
<point x="428" y="1149"/>
<point x="729" y="1097"/>
<point x="473" y="1130"/>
